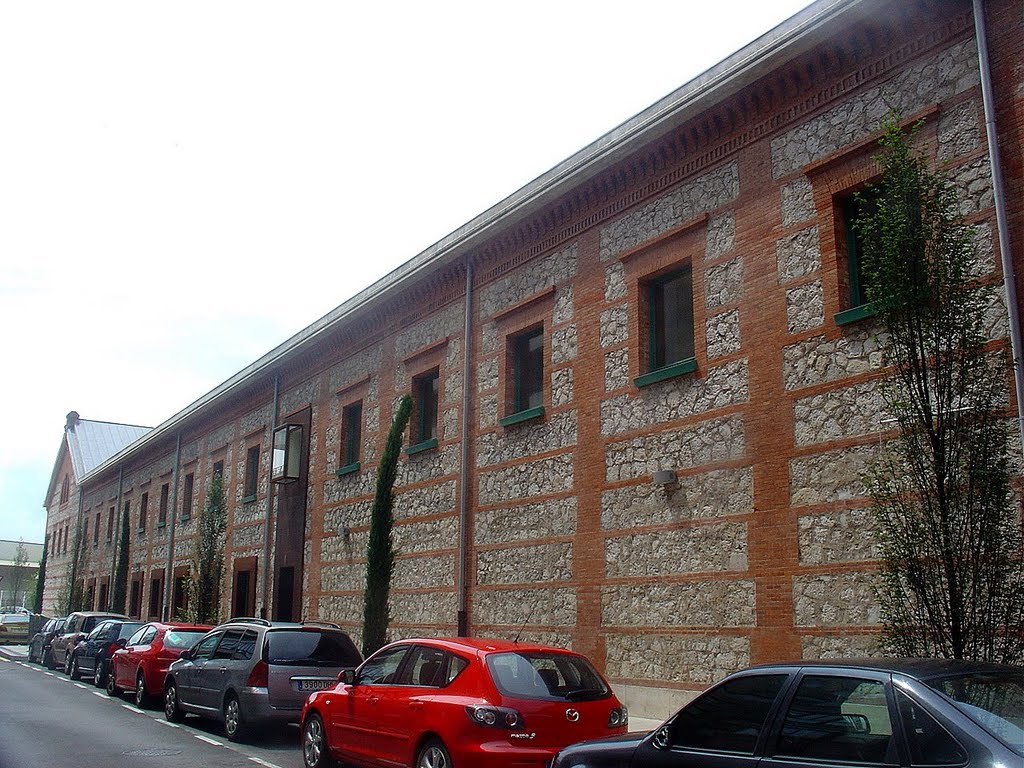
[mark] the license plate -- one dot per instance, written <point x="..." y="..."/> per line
<point x="315" y="685"/>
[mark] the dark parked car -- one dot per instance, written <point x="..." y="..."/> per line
<point x="250" y="671"/>
<point x="916" y="712"/>
<point x="91" y="656"/>
<point x="79" y="624"/>
<point x="141" y="665"/>
<point x="468" y="702"/>
<point x="39" y="645"/>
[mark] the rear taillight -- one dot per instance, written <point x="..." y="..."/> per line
<point x="259" y="675"/>
<point x="619" y="717"/>
<point x="495" y="717"/>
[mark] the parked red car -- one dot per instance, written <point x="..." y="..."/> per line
<point x="468" y="702"/>
<point x="142" y="664"/>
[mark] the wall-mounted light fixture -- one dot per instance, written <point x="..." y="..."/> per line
<point x="667" y="479"/>
<point x="287" y="456"/>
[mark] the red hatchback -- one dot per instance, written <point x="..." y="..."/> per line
<point x="468" y="702"/>
<point x="141" y="665"/>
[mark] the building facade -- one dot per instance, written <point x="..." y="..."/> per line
<point x="645" y="386"/>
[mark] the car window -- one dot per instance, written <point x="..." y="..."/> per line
<point x="227" y="646"/>
<point x="246" y="646"/>
<point x="311" y="648"/>
<point x="127" y="628"/>
<point x="49" y="625"/>
<point x="428" y="666"/>
<point x="838" y="718"/>
<point x="181" y="638"/>
<point x="205" y="648"/>
<point x="136" y="639"/>
<point x="727" y="718"/>
<point x="546" y="675"/>
<point x="382" y="668"/>
<point x="929" y="742"/>
<point x="994" y="700"/>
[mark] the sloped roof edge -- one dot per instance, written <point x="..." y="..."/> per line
<point x="739" y="69"/>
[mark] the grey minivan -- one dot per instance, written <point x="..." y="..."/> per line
<point x="250" y="671"/>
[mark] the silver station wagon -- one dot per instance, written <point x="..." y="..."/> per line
<point x="252" y="671"/>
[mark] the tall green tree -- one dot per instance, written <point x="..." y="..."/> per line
<point x="952" y="575"/>
<point x="119" y="593"/>
<point x="208" y="559"/>
<point x="37" y="603"/>
<point x="71" y="596"/>
<point x="380" y="551"/>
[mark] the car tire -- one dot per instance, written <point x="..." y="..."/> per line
<point x="234" y="722"/>
<point x="67" y="663"/>
<point x="172" y="711"/>
<point x="111" y="686"/>
<point x="31" y="654"/>
<point x="314" y="744"/>
<point x="140" y="697"/>
<point x="99" y="676"/>
<point x="433" y="754"/>
<point x="74" y="672"/>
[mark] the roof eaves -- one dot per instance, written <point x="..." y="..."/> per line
<point x="733" y="73"/>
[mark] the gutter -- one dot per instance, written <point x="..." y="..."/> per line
<point x="999" y="200"/>
<point x="738" y="70"/>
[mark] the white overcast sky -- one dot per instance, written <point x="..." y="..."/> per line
<point x="185" y="185"/>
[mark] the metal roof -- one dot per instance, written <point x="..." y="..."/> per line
<point x="9" y="552"/>
<point x="93" y="442"/>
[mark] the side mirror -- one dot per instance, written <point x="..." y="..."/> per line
<point x="120" y="643"/>
<point x="187" y="655"/>
<point x="347" y="676"/>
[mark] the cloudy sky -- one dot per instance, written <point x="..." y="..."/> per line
<point x="185" y="185"/>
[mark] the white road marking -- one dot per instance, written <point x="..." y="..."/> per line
<point x="209" y="741"/>
<point x="169" y="725"/>
<point x="264" y="762"/>
<point x="101" y="694"/>
<point x="130" y="708"/>
<point x="83" y="687"/>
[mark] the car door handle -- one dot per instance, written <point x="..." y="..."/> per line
<point x="374" y="699"/>
<point x="415" y="706"/>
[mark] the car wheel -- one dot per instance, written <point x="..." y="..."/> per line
<point x="172" y="711"/>
<point x="99" y="677"/>
<point x="314" y="744"/>
<point x="433" y="754"/>
<point x="67" y="663"/>
<point x="31" y="654"/>
<point x="111" y="686"/>
<point x="140" y="697"/>
<point x="234" y="725"/>
<point x="74" y="672"/>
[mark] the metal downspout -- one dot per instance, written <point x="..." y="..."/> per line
<point x="116" y="534"/>
<point x="463" y="614"/>
<point x="1009" y="278"/>
<point x="169" y="572"/>
<point x="271" y="494"/>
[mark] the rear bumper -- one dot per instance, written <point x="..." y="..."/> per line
<point x="257" y="708"/>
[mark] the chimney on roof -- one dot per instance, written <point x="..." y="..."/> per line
<point x="72" y="420"/>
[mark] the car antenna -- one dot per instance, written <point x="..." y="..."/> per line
<point x="520" y="632"/>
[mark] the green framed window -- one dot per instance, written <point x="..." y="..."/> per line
<point x="528" y="370"/>
<point x="851" y="207"/>
<point x="252" y="472"/>
<point x="424" y="389"/>
<point x="670" y="320"/>
<point x="352" y="434"/>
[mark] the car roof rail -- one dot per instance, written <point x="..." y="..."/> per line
<point x="319" y="623"/>
<point x="247" y="620"/>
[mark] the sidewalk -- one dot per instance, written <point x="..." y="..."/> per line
<point x="642" y="724"/>
<point x="14" y="652"/>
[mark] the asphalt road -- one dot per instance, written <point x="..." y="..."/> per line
<point x="47" y="720"/>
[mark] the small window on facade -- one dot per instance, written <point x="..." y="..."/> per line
<point x="424" y="389"/>
<point x="102" y="604"/>
<point x="252" y="472"/>
<point x="527" y="363"/>
<point x="187" y="492"/>
<point x="110" y="525"/>
<point x="165" y="495"/>
<point x="853" y="278"/>
<point x="156" y="595"/>
<point x="65" y="490"/>
<point x="180" y="596"/>
<point x="96" y="529"/>
<point x="135" y="602"/>
<point x="218" y="468"/>
<point x="670" y="319"/>
<point x="352" y="433"/>
<point x="85" y="533"/>
<point x="143" y="511"/>
<point x="90" y="596"/>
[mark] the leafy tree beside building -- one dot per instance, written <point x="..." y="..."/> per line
<point x="951" y="581"/>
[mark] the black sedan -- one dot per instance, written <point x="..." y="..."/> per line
<point x="39" y="645"/>
<point x="884" y="712"/>
<point x="92" y="655"/>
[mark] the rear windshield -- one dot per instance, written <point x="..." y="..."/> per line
<point x="311" y="648"/>
<point x="542" y="675"/>
<point x="182" y="638"/>
<point x="994" y="700"/>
